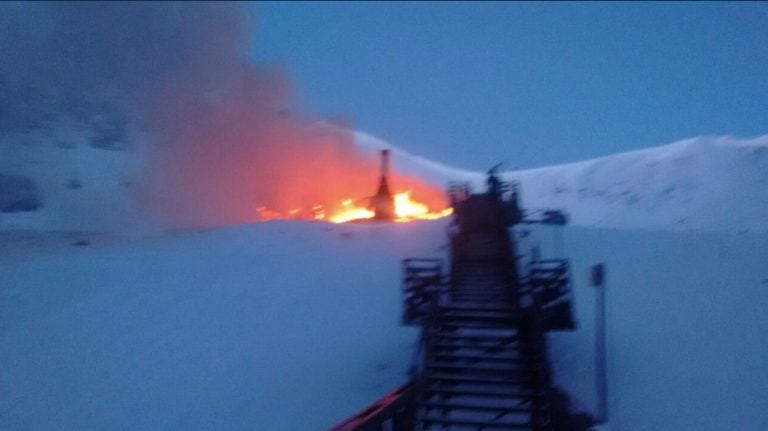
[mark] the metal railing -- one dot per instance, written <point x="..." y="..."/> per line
<point x="422" y="280"/>
<point x="395" y="411"/>
<point x="547" y="289"/>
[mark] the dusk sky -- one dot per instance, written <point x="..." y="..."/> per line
<point x="529" y="84"/>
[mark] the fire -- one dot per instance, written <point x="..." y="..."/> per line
<point x="406" y="209"/>
<point x="383" y="205"/>
<point x="349" y="212"/>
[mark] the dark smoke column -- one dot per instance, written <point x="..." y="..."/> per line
<point x="382" y="203"/>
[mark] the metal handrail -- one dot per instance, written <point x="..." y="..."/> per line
<point x="397" y="408"/>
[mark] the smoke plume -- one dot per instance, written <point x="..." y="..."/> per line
<point x="222" y="141"/>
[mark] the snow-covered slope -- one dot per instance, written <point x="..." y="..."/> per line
<point x="82" y="186"/>
<point x="710" y="183"/>
<point x="295" y="326"/>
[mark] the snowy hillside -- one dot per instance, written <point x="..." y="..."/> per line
<point x="718" y="184"/>
<point x="81" y="186"/>
<point x="295" y="326"/>
<point x="710" y="183"/>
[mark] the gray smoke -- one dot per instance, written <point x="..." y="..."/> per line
<point x="222" y="144"/>
<point x="119" y="58"/>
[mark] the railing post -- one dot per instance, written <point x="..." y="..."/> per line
<point x="405" y="420"/>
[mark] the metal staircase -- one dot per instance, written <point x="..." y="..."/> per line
<point x="483" y="362"/>
<point x="479" y="371"/>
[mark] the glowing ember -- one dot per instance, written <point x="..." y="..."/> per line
<point x="406" y="209"/>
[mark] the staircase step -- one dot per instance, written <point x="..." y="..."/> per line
<point x="452" y="316"/>
<point x="489" y="298"/>
<point x="479" y="282"/>
<point x="480" y="311"/>
<point x="467" y="323"/>
<point x="471" y="369"/>
<point x="476" y="298"/>
<point x="475" y="392"/>
<point x="490" y="347"/>
<point x="492" y="340"/>
<point x="481" y="306"/>
<point x="463" y="378"/>
<point x="464" y="306"/>
<point x="481" y="425"/>
<point x="495" y="352"/>
<point x="479" y="288"/>
<point x="476" y="286"/>
<point x="463" y="358"/>
<point x="474" y="407"/>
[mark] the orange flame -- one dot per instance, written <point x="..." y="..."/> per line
<point x="406" y="209"/>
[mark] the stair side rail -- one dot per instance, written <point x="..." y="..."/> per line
<point x="423" y="279"/>
<point x="395" y="411"/>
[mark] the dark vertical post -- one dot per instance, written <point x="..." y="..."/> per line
<point x="405" y="420"/>
<point x="382" y="203"/>
<point x="384" y="163"/>
<point x="601" y="377"/>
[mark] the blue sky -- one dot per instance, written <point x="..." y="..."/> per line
<point x="530" y="84"/>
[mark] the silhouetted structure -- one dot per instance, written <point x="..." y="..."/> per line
<point x="383" y="203"/>
<point x="482" y="362"/>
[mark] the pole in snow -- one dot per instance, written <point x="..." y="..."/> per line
<point x="597" y="276"/>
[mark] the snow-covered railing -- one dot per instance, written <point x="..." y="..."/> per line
<point x="547" y="289"/>
<point x="394" y="411"/>
<point x="422" y="280"/>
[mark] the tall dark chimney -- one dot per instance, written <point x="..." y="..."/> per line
<point x="384" y="164"/>
<point x="382" y="203"/>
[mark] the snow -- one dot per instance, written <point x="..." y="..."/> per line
<point x="715" y="183"/>
<point x="686" y="328"/>
<point x="281" y="325"/>
<point x="707" y="183"/>
<point x="295" y="325"/>
<point x="58" y="157"/>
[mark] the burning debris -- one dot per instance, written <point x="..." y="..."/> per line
<point x="382" y="206"/>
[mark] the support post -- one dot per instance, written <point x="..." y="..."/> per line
<point x="601" y="377"/>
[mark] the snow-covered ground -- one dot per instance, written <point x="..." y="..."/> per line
<point x="274" y="326"/>
<point x="295" y="325"/>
